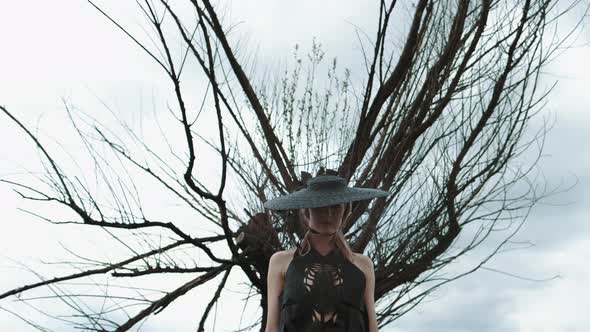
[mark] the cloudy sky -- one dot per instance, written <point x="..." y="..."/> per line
<point x="65" y="50"/>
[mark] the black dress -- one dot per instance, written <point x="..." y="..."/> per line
<point x="323" y="293"/>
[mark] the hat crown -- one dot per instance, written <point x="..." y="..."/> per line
<point x="326" y="182"/>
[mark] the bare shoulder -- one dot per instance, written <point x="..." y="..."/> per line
<point x="282" y="258"/>
<point x="363" y="262"/>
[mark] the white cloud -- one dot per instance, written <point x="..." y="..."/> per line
<point x="562" y="304"/>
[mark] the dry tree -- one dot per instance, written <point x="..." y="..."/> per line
<point x="439" y="120"/>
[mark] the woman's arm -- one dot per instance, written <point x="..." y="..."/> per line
<point x="369" y="270"/>
<point x="274" y="282"/>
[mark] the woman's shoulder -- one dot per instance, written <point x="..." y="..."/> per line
<point x="360" y="257"/>
<point x="282" y="253"/>
<point x="363" y="262"/>
<point x="283" y="258"/>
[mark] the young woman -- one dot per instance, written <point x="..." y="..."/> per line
<point x="321" y="285"/>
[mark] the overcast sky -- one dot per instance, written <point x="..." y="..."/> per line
<point x="66" y="49"/>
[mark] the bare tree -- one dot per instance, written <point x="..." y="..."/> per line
<point x="438" y="121"/>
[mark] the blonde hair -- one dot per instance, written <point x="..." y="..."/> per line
<point x="341" y="243"/>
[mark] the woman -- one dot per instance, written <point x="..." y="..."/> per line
<point x="321" y="285"/>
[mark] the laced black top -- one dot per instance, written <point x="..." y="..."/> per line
<point x="323" y="293"/>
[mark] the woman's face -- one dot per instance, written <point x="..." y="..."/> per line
<point x="326" y="218"/>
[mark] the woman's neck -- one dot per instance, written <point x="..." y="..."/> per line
<point x="323" y="244"/>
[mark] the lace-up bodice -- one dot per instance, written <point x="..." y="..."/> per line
<point x="323" y="293"/>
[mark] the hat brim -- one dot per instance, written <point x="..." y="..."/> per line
<point x="306" y="198"/>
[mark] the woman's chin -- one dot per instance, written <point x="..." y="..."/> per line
<point x="327" y="230"/>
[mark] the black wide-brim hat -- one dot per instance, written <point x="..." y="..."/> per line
<point x="323" y="190"/>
